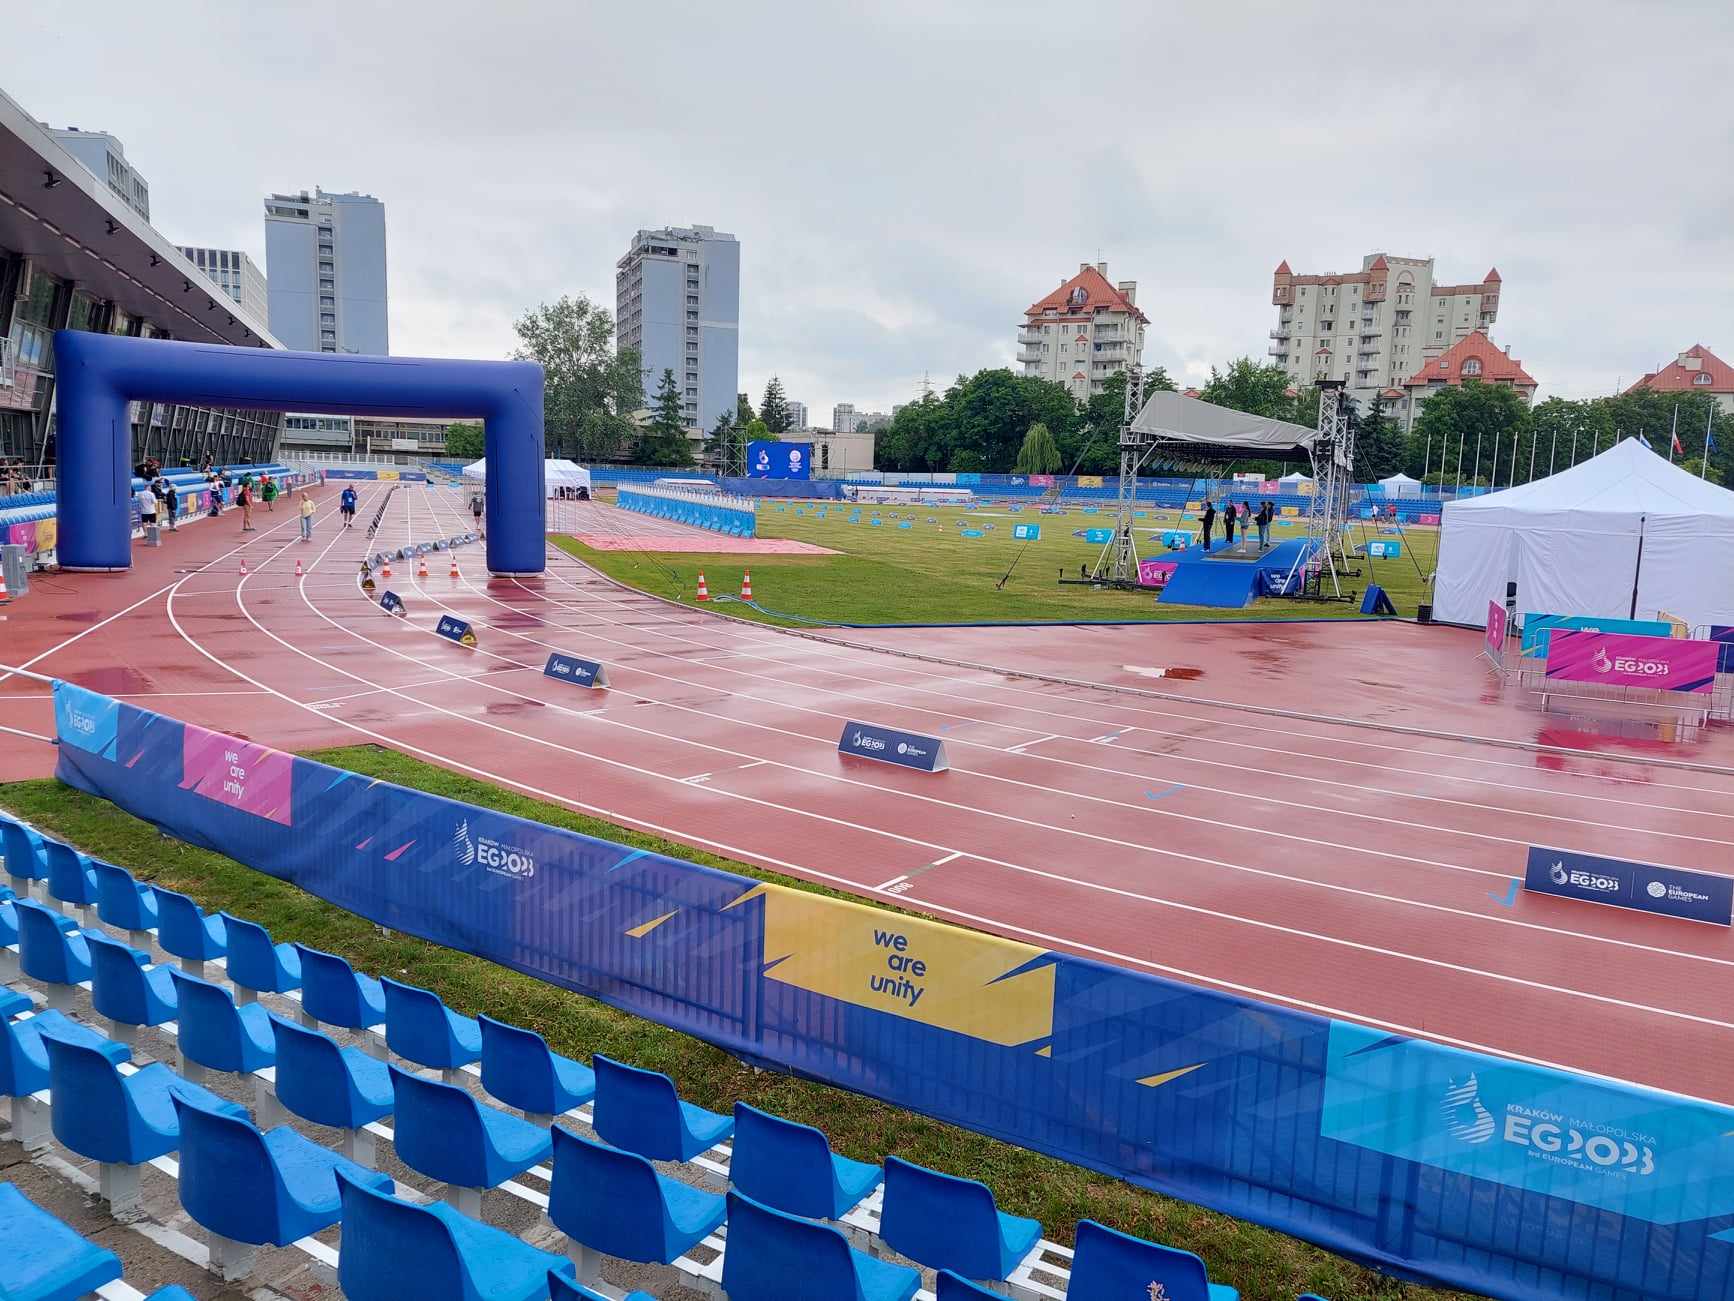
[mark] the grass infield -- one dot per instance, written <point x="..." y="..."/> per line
<point x="1263" y="1264"/>
<point x="930" y="573"/>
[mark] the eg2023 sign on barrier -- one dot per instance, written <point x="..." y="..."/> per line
<point x="1622" y="660"/>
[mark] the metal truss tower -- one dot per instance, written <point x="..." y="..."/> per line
<point x="1333" y="457"/>
<point x="1118" y="562"/>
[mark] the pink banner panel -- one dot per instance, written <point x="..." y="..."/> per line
<point x="1625" y="660"/>
<point x="253" y="778"/>
<point x="1495" y="629"/>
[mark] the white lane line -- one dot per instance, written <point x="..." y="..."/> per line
<point x="893" y="881"/>
<point x="941" y="862"/>
<point x="1021" y="746"/>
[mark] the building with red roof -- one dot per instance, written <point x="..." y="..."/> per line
<point x="1473" y="358"/>
<point x="1374" y="327"/>
<point x="1696" y="370"/>
<point x="1084" y="332"/>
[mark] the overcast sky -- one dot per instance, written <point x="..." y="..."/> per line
<point x="906" y="178"/>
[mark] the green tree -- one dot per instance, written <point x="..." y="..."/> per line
<point x="662" y="441"/>
<point x="744" y="413"/>
<point x="1038" y="455"/>
<point x="589" y="390"/>
<point x="464" y="440"/>
<point x="1254" y="388"/>
<point x="757" y="432"/>
<point x="774" y="410"/>
<point x="1470" y="427"/>
<point x="1379" y="444"/>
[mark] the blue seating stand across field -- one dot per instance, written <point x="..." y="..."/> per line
<point x="766" y="1249"/>
<point x="42" y="1259"/>
<point x="392" y="1250"/>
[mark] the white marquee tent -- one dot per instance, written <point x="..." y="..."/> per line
<point x="1400" y="485"/>
<point x="555" y="474"/>
<point x="1621" y="535"/>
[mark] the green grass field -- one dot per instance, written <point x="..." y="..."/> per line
<point x="929" y="573"/>
<point x="1264" y="1265"/>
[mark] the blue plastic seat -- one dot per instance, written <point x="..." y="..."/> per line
<point x="564" y="1289"/>
<point x="944" y="1222"/>
<point x="47" y="951"/>
<point x="124" y="1119"/>
<point x="392" y="1249"/>
<point x="1107" y="1262"/>
<point x="124" y="988"/>
<point x="23" y="1059"/>
<point x="217" y="1032"/>
<point x="13" y="1002"/>
<point x="328" y="1083"/>
<point x="185" y="931"/>
<point x="420" y="1027"/>
<point x="954" y="1287"/>
<point x="257" y="964"/>
<point x="258" y="1187"/>
<point x="173" y="1292"/>
<point x="22" y="849"/>
<point x="335" y="993"/>
<point x="640" y="1111"/>
<point x="70" y="879"/>
<point x="791" y="1167"/>
<point x="43" y="1259"/>
<point x="616" y="1203"/>
<point x="122" y="901"/>
<point x="443" y="1132"/>
<point x="775" y="1257"/>
<point x="521" y="1071"/>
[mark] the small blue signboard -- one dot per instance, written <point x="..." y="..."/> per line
<point x="391" y="602"/>
<point x="579" y="672"/>
<point x="1027" y="532"/>
<point x="972" y="533"/>
<point x="1176" y="539"/>
<point x="904" y="524"/>
<point x="875" y="521"/>
<point x="455" y="629"/>
<point x="1670" y="891"/>
<point x="1385" y="550"/>
<point x="1098" y="535"/>
<point x="888" y="745"/>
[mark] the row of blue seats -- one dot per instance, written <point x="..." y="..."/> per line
<point x="443" y="1131"/>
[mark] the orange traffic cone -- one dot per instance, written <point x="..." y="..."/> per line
<point x="385" y="569"/>
<point x="421" y="570"/>
<point x="243" y="566"/>
<point x="298" y="570"/>
<point x="454" y="573"/>
<point x="5" y="597"/>
<point x="747" y="585"/>
<point x="703" y="592"/>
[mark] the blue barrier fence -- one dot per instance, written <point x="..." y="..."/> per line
<point x="1431" y="1162"/>
<point x="722" y="515"/>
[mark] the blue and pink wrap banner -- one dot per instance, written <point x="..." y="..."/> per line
<point x="1430" y="1162"/>
<point x="1623" y="660"/>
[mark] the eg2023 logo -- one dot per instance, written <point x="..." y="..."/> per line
<point x="501" y="859"/>
<point x="1605" y="663"/>
<point x="1545" y="1135"/>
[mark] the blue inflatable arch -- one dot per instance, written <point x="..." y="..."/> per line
<point x="98" y="374"/>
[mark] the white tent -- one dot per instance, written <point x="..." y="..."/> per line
<point x="555" y="474"/>
<point x="1295" y="476"/>
<point x="1621" y="535"/>
<point x="1400" y="485"/>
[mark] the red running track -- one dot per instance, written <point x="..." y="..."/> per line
<point x="1360" y="867"/>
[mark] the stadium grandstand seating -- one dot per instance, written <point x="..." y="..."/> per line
<point x="736" y="1216"/>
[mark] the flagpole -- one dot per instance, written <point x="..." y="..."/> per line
<point x="1709" y="419"/>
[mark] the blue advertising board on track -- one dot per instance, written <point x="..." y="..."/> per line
<point x="888" y="745"/>
<point x="1670" y="891"/>
<point x="580" y="672"/>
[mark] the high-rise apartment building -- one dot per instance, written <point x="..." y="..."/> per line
<point x="843" y="418"/>
<point x="104" y="157"/>
<point x="236" y="274"/>
<point x="798" y="419"/>
<point x="325" y="263"/>
<point x="1084" y="332"/>
<point x="1376" y="327"/>
<point x="677" y="300"/>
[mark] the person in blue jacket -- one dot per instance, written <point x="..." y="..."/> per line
<point x="346" y="505"/>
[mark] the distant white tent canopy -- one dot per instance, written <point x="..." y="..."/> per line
<point x="1620" y="535"/>
<point x="1192" y="420"/>
<point x="555" y="474"/>
<point x="1295" y="476"/>
<point x="1400" y="485"/>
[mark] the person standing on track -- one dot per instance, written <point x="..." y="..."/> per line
<point x="306" y="517"/>
<point x="171" y="499"/>
<point x="346" y="507"/>
<point x="268" y="490"/>
<point x="244" y="499"/>
<point x="1209" y="521"/>
<point x="477" y="505"/>
<point x="147" y="507"/>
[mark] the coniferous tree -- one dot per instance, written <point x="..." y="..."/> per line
<point x="774" y="410"/>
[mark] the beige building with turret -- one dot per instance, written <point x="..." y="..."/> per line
<point x="1085" y="331"/>
<point x="1373" y="328"/>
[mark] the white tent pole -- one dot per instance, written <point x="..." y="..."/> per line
<point x="1476" y="472"/>
<point x="1709" y="419"/>
<point x="1460" y="440"/>
<point x="1531" y="478"/>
